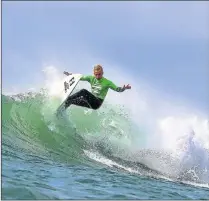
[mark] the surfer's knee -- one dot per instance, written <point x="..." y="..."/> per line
<point x="83" y="90"/>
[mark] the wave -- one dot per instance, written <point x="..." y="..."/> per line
<point x="128" y="137"/>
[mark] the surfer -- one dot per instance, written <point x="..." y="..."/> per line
<point x="99" y="88"/>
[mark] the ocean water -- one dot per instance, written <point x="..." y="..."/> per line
<point x="117" y="152"/>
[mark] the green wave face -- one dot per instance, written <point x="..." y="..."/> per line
<point x="31" y="128"/>
<point x="28" y="128"/>
<point x="30" y="125"/>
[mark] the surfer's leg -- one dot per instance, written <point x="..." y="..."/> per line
<point x="84" y="98"/>
<point x="92" y="100"/>
<point x="76" y="100"/>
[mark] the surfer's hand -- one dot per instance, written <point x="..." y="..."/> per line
<point x="127" y="86"/>
<point x="66" y="73"/>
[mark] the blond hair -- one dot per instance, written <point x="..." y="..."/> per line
<point x="98" y="68"/>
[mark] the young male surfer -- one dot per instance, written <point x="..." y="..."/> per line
<point x="99" y="88"/>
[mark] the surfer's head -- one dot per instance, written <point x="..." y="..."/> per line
<point x="98" y="71"/>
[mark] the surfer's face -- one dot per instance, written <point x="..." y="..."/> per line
<point x="98" y="74"/>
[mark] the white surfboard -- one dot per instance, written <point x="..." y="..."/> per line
<point x="69" y="84"/>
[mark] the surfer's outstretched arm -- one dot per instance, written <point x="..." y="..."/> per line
<point x="121" y="89"/>
<point x="118" y="89"/>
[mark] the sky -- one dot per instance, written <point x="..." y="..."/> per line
<point x="164" y="43"/>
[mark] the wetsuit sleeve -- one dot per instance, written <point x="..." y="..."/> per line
<point x="86" y="78"/>
<point x="115" y="88"/>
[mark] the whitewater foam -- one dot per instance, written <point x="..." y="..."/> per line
<point x="137" y="120"/>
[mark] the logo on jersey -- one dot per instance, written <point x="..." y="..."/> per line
<point x="96" y="87"/>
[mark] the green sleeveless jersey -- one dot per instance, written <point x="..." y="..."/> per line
<point x="99" y="87"/>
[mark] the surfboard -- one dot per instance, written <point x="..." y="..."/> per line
<point x="69" y="84"/>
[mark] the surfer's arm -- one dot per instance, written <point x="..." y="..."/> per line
<point x="83" y="78"/>
<point x="118" y="89"/>
<point x="86" y="78"/>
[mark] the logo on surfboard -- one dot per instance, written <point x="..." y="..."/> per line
<point x="71" y="82"/>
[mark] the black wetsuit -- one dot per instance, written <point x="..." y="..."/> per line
<point x="84" y="98"/>
<point x="95" y="99"/>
